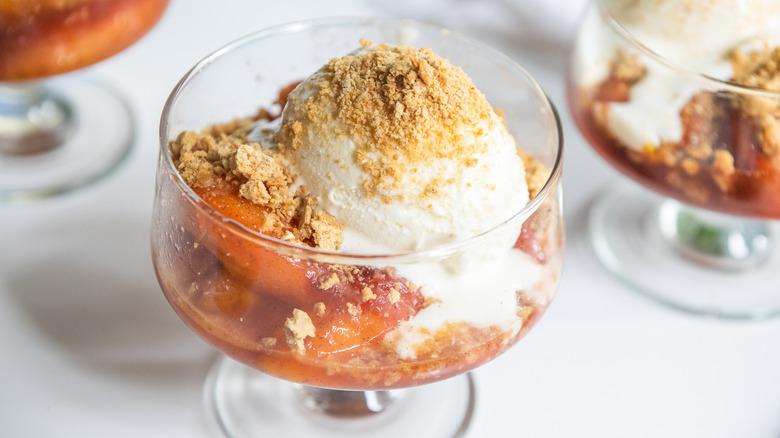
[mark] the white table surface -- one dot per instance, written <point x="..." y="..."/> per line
<point x="90" y="348"/>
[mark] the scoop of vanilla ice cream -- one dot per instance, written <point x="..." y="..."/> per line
<point x="401" y="147"/>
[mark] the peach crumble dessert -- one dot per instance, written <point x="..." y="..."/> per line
<point x="40" y="38"/>
<point x="383" y="156"/>
<point x="691" y="107"/>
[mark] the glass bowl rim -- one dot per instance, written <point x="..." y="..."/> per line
<point x="626" y="34"/>
<point x="429" y="253"/>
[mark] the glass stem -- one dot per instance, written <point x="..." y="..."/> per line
<point x="339" y="403"/>
<point x="715" y="240"/>
<point x="31" y="120"/>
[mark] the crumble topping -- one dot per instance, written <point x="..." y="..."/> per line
<point x="394" y="295"/>
<point x="223" y="153"/>
<point x="297" y="328"/>
<point x="353" y="309"/>
<point x="536" y="173"/>
<point x="329" y="282"/>
<point x="627" y="67"/>
<point x="723" y="169"/>
<point x="394" y="99"/>
<point x="325" y="230"/>
<point x="367" y="294"/>
<point x="769" y="137"/>
<point x="761" y="70"/>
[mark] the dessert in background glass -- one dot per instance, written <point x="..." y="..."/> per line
<point x="683" y="97"/>
<point x="59" y="132"/>
<point x="374" y="338"/>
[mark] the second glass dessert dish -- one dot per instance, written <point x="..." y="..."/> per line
<point x="356" y="212"/>
<point x="683" y="97"/>
<point x="60" y="132"/>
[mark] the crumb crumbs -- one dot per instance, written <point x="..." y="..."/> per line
<point x="268" y="342"/>
<point x="297" y="328"/>
<point x="627" y="67"/>
<point x="761" y="70"/>
<point x="326" y="231"/>
<point x="394" y="295"/>
<point x="536" y="174"/>
<point x="757" y="69"/>
<point x="353" y="309"/>
<point x="769" y="138"/>
<point x="723" y="169"/>
<point x="690" y="166"/>
<point x="368" y="294"/>
<point x="699" y="151"/>
<point x="329" y="282"/>
<point x="319" y="308"/>
<point x="222" y="153"/>
<point x="267" y="183"/>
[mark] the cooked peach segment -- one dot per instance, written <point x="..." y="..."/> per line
<point x="251" y="261"/>
<point x="359" y="306"/>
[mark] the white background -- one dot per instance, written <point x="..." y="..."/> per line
<point x="90" y="348"/>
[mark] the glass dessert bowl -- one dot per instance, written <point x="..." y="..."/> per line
<point x="684" y="99"/>
<point x="61" y="133"/>
<point x="356" y="243"/>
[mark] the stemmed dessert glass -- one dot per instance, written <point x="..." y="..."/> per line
<point x="58" y="132"/>
<point x="699" y="231"/>
<point x="238" y="289"/>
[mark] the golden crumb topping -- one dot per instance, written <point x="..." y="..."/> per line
<point x="627" y="67"/>
<point x="223" y="153"/>
<point x="403" y="106"/>
<point x="329" y="282"/>
<point x="394" y="295"/>
<point x="536" y="173"/>
<point x="297" y="328"/>
<point x="761" y="69"/>
<point x="353" y="309"/>
<point x="266" y="181"/>
<point x="368" y="294"/>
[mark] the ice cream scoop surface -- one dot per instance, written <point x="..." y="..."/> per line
<point x="399" y="145"/>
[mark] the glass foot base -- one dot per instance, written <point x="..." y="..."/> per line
<point x="99" y="139"/>
<point x="628" y="238"/>
<point x="248" y="403"/>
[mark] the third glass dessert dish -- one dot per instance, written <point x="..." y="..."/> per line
<point x="356" y="212"/>
<point x="60" y="132"/>
<point x="683" y="97"/>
